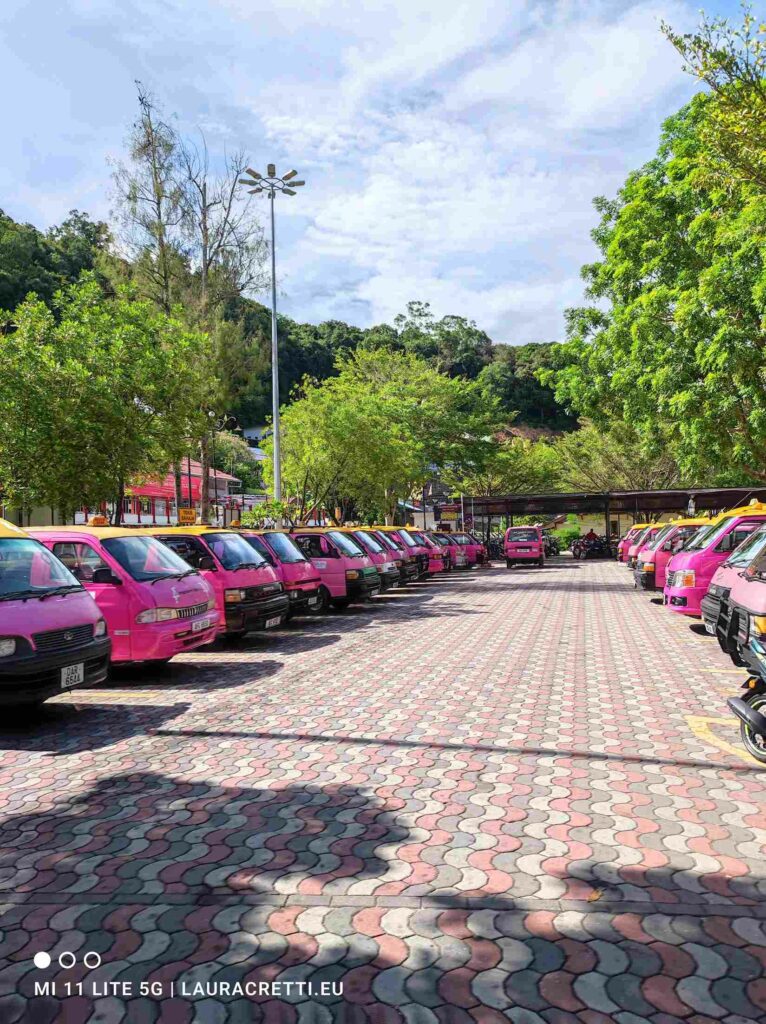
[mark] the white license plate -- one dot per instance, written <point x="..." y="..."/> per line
<point x="200" y="624"/>
<point x="313" y="600"/>
<point x="270" y="623"/>
<point x="523" y="549"/>
<point x="710" y="628"/>
<point x="375" y="591"/>
<point x="72" y="675"/>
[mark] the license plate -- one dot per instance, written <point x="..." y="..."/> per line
<point x="523" y="549"/>
<point x="72" y="675"/>
<point x="375" y="591"/>
<point x="710" y="628"/>
<point x="200" y="624"/>
<point x="270" y="623"/>
<point x="313" y="600"/>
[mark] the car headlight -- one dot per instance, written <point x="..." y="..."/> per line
<point x="211" y="604"/>
<point x="686" y="578"/>
<point x="7" y="647"/>
<point x="758" y="625"/>
<point x="100" y="628"/>
<point x="352" y="574"/>
<point x="234" y="596"/>
<point x="714" y="591"/>
<point x="157" y="615"/>
<point x="647" y="566"/>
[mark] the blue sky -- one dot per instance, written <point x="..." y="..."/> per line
<point x="451" y="149"/>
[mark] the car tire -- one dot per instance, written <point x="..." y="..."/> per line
<point x="508" y="563"/>
<point x="340" y="603"/>
<point x="541" y="563"/>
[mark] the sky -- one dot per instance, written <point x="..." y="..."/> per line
<point x="451" y="149"/>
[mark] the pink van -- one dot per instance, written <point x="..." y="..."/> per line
<point x="408" y="563"/>
<point x="408" y="542"/>
<point x="625" y="543"/>
<point x="155" y="606"/>
<point x="299" y="577"/>
<point x="473" y="548"/>
<point x="347" y="573"/>
<point x="644" y="539"/>
<point x="436" y="562"/>
<point x="653" y="558"/>
<point x="690" y="572"/>
<point x="383" y="558"/>
<point x="249" y="594"/>
<point x="454" y="553"/>
<point x="524" y="545"/>
<point x="716" y="604"/>
<point x="52" y="636"/>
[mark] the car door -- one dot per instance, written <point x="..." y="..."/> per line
<point x="113" y="599"/>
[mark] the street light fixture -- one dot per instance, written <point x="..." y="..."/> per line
<point x="268" y="185"/>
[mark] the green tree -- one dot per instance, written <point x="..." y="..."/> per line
<point x="590" y="459"/>
<point x="93" y="394"/>
<point x="674" y="342"/>
<point x="515" y="465"/>
<point x="232" y="454"/>
<point x="512" y="379"/>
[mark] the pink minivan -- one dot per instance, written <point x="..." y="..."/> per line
<point x="408" y="563"/>
<point x="418" y="551"/>
<point x="155" y="606"/>
<point x="642" y="540"/>
<point x="716" y="604"/>
<point x="524" y="545"/>
<point x="653" y="558"/>
<point x="347" y="573"/>
<point x="436" y="563"/>
<point x="52" y="636"/>
<point x="299" y="577"/>
<point x="383" y="558"/>
<point x="624" y="545"/>
<point x="690" y="572"/>
<point x="249" y="594"/>
<point x="474" y="549"/>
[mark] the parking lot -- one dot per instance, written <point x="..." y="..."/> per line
<point x="509" y="794"/>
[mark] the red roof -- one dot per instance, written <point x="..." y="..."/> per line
<point x="166" y="488"/>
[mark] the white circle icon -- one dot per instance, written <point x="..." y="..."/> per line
<point x="42" y="960"/>
<point x="94" y="961"/>
<point x="71" y="960"/>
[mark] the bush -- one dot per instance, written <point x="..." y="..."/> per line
<point x="566" y="535"/>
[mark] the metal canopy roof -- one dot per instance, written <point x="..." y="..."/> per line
<point x="705" y="498"/>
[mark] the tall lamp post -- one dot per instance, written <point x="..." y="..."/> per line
<point x="268" y="185"/>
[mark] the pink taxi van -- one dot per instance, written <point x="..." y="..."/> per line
<point x="347" y="573"/>
<point x="524" y="545"/>
<point x="436" y="561"/>
<point x="415" y="550"/>
<point x="716" y="606"/>
<point x="624" y="545"/>
<point x="652" y="559"/>
<point x="690" y="572"/>
<point x="249" y="594"/>
<point x="299" y="577"/>
<point x="408" y="563"/>
<point x="383" y="558"/>
<point x="474" y="549"/>
<point x="155" y="606"/>
<point x="643" y="540"/>
<point x="52" y="635"/>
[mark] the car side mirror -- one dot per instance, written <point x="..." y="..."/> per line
<point x="105" y="575"/>
<point x="206" y="563"/>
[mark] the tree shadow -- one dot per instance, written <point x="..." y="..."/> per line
<point x="192" y="883"/>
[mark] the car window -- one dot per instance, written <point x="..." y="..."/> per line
<point x="80" y="558"/>
<point x="191" y="549"/>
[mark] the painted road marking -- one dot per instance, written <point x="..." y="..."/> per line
<point x="700" y="725"/>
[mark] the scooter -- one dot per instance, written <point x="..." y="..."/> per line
<point x="750" y="709"/>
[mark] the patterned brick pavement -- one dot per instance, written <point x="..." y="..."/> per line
<point x="478" y="800"/>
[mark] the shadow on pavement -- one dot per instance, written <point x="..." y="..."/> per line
<point x="220" y="866"/>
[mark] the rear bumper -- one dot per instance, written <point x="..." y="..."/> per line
<point x="248" y="616"/>
<point x="34" y="679"/>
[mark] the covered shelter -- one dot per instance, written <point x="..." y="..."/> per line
<point x="637" y="504"/>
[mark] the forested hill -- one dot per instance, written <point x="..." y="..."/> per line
<point x="43" y="262"/>
<point x="453" y="345"/>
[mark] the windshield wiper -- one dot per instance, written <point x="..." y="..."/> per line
<point x="249" y="565"/>
<point x="25" y="595"/>
<point x="174" y="575"/>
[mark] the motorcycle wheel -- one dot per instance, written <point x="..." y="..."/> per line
<point x="753" y="743"/>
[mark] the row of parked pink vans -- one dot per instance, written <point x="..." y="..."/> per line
<point x="715" y="569"/>
<point x="76" y="599"/>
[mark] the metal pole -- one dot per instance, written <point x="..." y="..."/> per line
<point x="188" y="481"/>
<point x="462" y="514"/>
<point x="424" y="506"/>
<point x="275" y="364"/>
<point x="215" y="478"/>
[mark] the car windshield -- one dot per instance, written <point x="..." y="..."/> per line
<point x="346" y="544"/>
<point x="709" y="534"/>
<point x="660" y="537"/>
<point x="387" y="541"/>
<point x="285" y="547"/>
<point x="463" y="538"/>
<point x="406" y="539"/>
<point x="366" y="541"/>
<point x="749" y="549"/>
<point x="27" y="569"/>
<point x="233" y="551"/>
<point x="516" y="535"/>
<point x="440" y="540"/>
<point x="261" y="547"/>
<point x="640" y="538"/>
<point x="145" y="558"/>
<point x="417" y="536"/>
